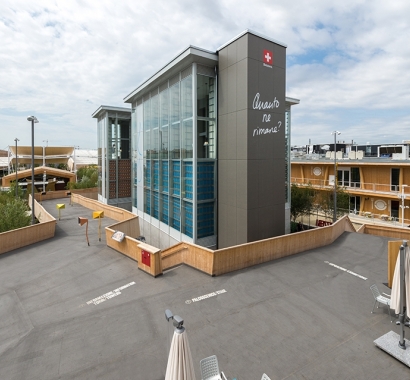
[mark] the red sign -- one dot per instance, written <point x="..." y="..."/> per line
<point x="146" y="258"/>
<point x="323" y="223"/>
<point x="267" y="57"/>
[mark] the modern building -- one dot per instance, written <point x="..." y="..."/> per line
<point x="208" y="140"/>
<point x="379" y="187"/>
<point x="114" y="156"/>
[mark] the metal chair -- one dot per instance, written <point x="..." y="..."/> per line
<point x="378" y="298"/>
<point x="210" y="369"/>
<point x="265" y="377"/>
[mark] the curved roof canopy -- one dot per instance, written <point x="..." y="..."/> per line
<point x="40" y="170"/>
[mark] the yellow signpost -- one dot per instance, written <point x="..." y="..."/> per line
<point x="59" y="207"/>
<point x="98" y="215"/>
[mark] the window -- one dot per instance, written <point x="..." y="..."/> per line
<point x="355" y="177"/>
<point x="395" y="179"/>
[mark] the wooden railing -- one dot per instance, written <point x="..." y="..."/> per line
<point x="230" y="259"/>
<point x="394" y="190"/>
<point x="112" y="212"/>
<point x="25" y="236"/>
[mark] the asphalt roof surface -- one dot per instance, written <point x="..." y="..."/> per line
<point x="294" y="318"/>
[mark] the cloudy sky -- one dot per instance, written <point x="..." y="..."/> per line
<point x="347" y="61"/>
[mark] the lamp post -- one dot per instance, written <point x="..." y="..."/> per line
<point x="33" y="120"/>
<point x="16" y="139"/>
<point x="335" y="180"/>
<point x="403" y="197"/>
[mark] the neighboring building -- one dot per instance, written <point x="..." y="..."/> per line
<point x="210" y="146"/>
<point x="45" y="159"/>
<point x="43" y="156"/>
<point x="81" y="158"/>
<point x="114" y="156"/>
<point x="378" y="187"/>
<point x="4" y="163"/>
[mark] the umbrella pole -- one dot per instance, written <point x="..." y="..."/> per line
<point x="402" y="343"/>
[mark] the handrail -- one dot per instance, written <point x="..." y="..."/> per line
<point x="357" y="186"/>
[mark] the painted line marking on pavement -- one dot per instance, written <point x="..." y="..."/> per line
<point x="205" y="296"/>
<point x="109" y="295"/>
<point x="346" y="270"/>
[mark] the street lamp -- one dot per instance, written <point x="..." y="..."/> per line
<point x="33" y="120"/>
<point x="335" y="180"/>
<point x="403" y="197"/>
<point x="16" y="139"/>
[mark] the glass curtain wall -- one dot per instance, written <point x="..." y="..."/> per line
<point x="167" y="120"/>
<point x="118" y="157"/>
<point x="206" y="156"/>
<point x="168" y="142"/>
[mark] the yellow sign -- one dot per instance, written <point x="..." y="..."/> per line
<point x="59" y="207"/>
<point x="98" y="214"/>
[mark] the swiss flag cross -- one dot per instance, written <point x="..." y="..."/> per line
<point x="267" y="57"/>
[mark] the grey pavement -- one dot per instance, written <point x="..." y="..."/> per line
<point x="295" y="318"/>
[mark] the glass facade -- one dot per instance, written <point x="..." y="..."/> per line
<point x="114" y="158"/>
<point x="174" y="127"/>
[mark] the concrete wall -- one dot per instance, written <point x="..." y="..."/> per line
<point x="155" y="236"/>
<point x="251" y="141"/>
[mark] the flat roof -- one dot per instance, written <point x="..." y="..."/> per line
<point x="296" y="317"/>
<point x="381" y="161"/>
<point x="183" y="58"/>
<point x="255" y="34"/>
<point x="101" y="109"/>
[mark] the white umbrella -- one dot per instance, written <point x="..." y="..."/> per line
<point x="395" y="290"/>
<point x="400" y="296"/>
<point x="180" y="365"/>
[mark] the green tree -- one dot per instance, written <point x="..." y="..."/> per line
<point x="324" y="202"/>
<point x="342" y="202"/>
<point x="13" y="213"/>
<point x="87" y="177"/>
<point x="301" y="200"/>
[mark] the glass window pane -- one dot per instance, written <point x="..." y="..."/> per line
<point x="186" y="88"/>
<point x="206" y="96"/>
<point x="175" y="216"/>
<point x="147" y="129"/>
<point x="187" y="139"/>
<point x="175" y="104"/>
<point x="154" y="126"/>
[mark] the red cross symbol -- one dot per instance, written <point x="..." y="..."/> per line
<point x="267" y="57"/>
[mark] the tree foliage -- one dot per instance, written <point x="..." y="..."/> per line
<point x="305" y="199"/>
<point x="13" y="212"/>
<point x="87" y="177"/>
<point x="301" y="200"/>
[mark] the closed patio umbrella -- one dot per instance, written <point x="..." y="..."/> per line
<point x="400" y="295"/>
<point x="180" y="365"/>
<point x="395" y="290"/>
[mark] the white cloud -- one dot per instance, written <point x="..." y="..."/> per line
<point x="61" y="60"/>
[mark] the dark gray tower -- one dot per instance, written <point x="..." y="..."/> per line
<point x="251" y="140"/>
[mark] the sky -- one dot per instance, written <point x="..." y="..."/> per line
<point x="347" y="61"/>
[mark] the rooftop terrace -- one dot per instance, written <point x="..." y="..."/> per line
<point x="293" y="318"/>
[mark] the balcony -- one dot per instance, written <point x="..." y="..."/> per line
<point x="357" y="188"/>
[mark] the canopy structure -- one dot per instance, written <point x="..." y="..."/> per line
<point x="41" y="171"/>
<point x="43" y="155"/>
